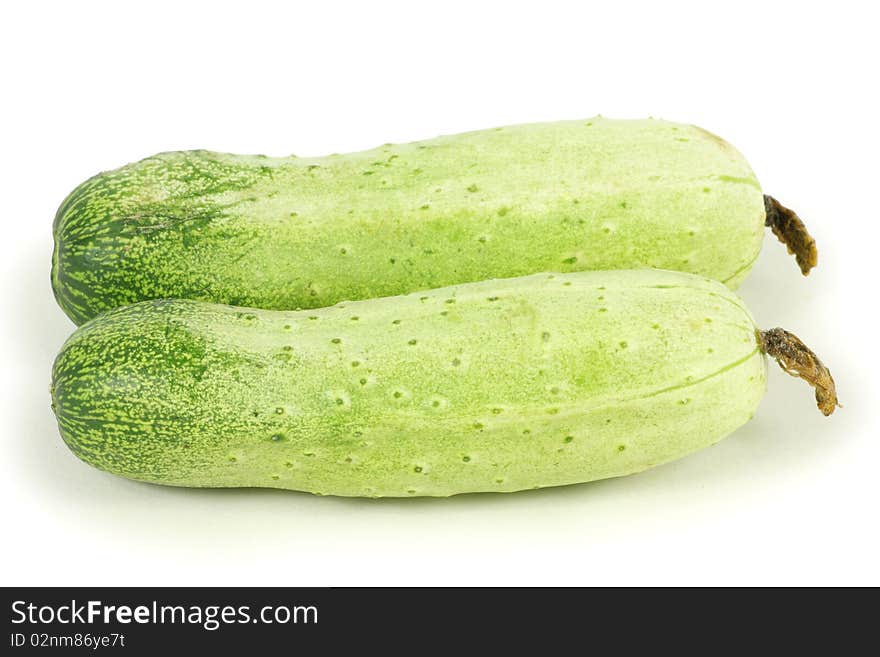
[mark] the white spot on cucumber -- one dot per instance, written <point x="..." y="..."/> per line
<point x="438" y="403"/>
<point x="401" y="395"/>
<point x="340" y="399"/>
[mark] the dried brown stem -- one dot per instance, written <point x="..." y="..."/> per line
<point x="796" y="359"/>
<point x="792" y="232"/>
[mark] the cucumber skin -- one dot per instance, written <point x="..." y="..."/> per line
<point x="289" y="233"/>
<point x="500" y="385"/>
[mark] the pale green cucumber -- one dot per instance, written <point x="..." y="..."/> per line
<point x="288" y="233"/>
<point x="500" y="385"/>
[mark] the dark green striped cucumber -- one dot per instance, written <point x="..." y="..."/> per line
<point x="289" y="233"/>
<point x="500" y="385"/>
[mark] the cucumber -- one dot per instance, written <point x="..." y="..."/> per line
<point x="499" y="385"/>
<point x="292" y="233"/>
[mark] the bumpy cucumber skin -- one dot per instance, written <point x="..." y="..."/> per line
<point x="290" y="233"/>
<point x="500" y="385"/>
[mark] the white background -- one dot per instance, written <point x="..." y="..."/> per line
<point x="791" y="498"/>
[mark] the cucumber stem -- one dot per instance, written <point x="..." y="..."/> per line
<point x="792" y="232"/>
<point x="796" y="359"/>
